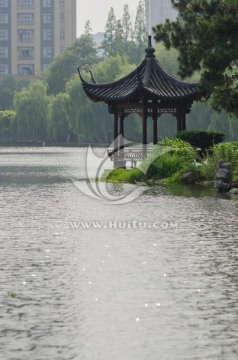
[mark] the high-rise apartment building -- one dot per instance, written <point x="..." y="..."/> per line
<point x="157" y="11"/>
<point x="33" y="32"/>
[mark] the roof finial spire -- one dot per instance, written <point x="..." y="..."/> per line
<point x="150" y="50"/>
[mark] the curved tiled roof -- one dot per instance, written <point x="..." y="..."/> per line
<point x="149" y="79"/>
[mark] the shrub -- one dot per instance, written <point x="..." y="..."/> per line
<point x="124" y="176"/>
<point x="170" y="157"/>
<point x="227" y="152"/>
<point x="200" y="138"/>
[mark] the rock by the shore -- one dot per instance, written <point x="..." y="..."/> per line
<point x="234" y="191"/>
<point x="188" y="178"/>
<point x="223" y="178"/>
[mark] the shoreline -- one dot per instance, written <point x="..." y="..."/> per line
<point x="50" y="144"/>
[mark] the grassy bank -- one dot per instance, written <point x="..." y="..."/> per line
<point x="173" y="160"/>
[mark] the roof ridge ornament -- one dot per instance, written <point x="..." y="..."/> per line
<point x="150" y="50"/>
<point x="80" y="76"/>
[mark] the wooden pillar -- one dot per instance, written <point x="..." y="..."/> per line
<point x="115" y="140"/>
<point x="122" y="117"/>
<point x="181" y="117"/>
<point x="155" y="124"/>
<point x="183" y="120"/>
<point x="115" y="147"/>
<point x="144" y="128"/>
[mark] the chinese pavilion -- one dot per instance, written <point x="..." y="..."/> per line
<point x="149" y="91"/>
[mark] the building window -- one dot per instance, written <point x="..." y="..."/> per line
<point x="3" y="19"/>
<point x="47" y="18"/>
<point x="3" y="35"/>
<point x="3" y="52"/>
<point x="25" y="19"/>
<point x="47" y="53"/>
<point x="25" y="53"/>
<point x="4" y="3"/>
<point x="25" y="69"/>
<point x="25" y="4"/>
<point x="47" y="3"/>
<point x="62" y="49"/>
<point x="25" y="35"/>
<point x="61" y="2"/>
<point x="61" y="17"/>
<point x="4" y="69"/>
<point x="47" y="35"/>
<point x="62" y="35"/>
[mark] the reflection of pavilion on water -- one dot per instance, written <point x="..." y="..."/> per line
<point x="148" y="91"/>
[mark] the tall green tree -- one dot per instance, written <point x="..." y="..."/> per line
<point x="8" y="125"/>
<point x="110" y="33"/>
<point x="126" y="27"/>
<point x="118" y="46"/>
<point x="205" y="35"/>
<point x="8" y="85"/>
<point x="57" y="126"/>
<point x="140" y="34"/>
<point x="82" y="52"/>
<point x="31" y="106"/>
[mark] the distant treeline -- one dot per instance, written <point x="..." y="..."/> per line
<point x="54" y="108"/>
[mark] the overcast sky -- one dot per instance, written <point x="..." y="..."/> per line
<point x="97" y="11"/>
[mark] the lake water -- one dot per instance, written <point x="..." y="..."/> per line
<point x="158" y="278"/>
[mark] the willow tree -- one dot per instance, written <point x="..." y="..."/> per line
<point x="31" y="106"/>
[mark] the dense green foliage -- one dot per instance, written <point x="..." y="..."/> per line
<point x="200" y="138"/>
<point x="32" y="104"/>
<point x="8" y="85"/>
<point x="124" y="38"/>
<point x="171" y="157"/>
<point x="56" y="109"/>
<point x="174" y="159"/>
<point x="7" y="125"/>
<point x="83" y="52"/>
<point x="205" y="35"/>
<point x="226" y="152"/>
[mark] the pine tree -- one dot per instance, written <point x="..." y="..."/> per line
<point x="110" y="33"/>
<point x="140" y="34"/>
<point x="205" y="35"/>
<point x="126" y="27"/>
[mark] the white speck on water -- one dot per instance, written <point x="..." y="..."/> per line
<point x="155" y="244"/>
<point x="96" y="299"/>
<point x="146" y="305"/>
<point x="158" y="304"/>
<point x="33" y="275"/>
<point x="84" y="269"/>
<point x="165" y="275"/>
<point x="137" y="319"/>
<point x="24" y="282"/>
<point x="47" y="250"/>
<point x="90" y="282"/>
